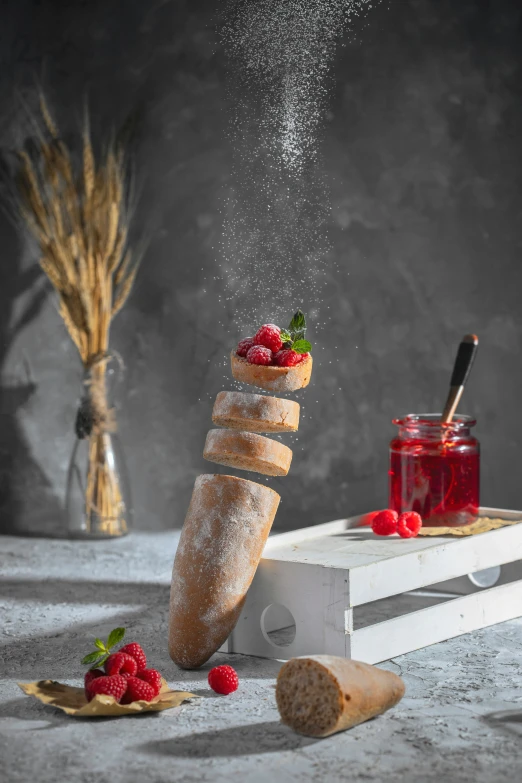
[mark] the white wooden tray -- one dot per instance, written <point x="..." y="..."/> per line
<point x="340" y="590"/>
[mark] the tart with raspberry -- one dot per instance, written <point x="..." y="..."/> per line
<point x="275" y="359"/>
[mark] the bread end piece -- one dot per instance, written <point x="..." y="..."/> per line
<point x="320" y="695"/>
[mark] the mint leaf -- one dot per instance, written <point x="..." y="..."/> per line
<point x="100" y="645"/>
<point x="115" y="637"/>
<point x="302" y="346"/>
<point x="286" y="337"/>
<point x="298" y="323"/>
<point x="93" y="659"/>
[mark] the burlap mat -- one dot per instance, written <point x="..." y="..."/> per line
<point x="481" y="525"/>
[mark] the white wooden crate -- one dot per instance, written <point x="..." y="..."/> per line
<point x="353" y="594"/>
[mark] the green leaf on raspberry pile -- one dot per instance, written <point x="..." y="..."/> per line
<point x="286" y="337"/>
<point x="298" y="323"/>
<point x="115" y="637"/>
<point x="302" y="346"/>
<point x="103" y="650"/>
<point x="94" y="659"/>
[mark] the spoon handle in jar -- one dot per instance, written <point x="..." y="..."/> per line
<point x="461" y="370"/>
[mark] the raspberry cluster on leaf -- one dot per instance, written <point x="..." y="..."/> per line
<point x="124" y="676"/>
<point x="273" y="346"/>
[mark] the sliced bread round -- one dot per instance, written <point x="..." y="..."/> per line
<point x="247" y="451"/>
<point x="276" y="379"/>
<point x="255" y="412"/>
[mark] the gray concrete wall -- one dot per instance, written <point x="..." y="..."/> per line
<point x="423" y="155"/>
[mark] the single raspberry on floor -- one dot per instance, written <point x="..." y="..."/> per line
<point x="385" y="522"/>
<point x="223" y="679"/>
<point x="115" y="686"/>
<point x="409" y="524"/>
<point x="135" y="651"/>
<point x="269" y="335"/>
<point x="153" y="677"/>
<point x="244" y="346"/>
<point x="287" y="358"/>
<point x="91" y="675"/>
<point x="258" y="354"/>
<point x="120" y="663"/>
<point x="138" y="690"/>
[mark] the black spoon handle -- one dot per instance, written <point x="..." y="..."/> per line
<point x="461" y="370"/>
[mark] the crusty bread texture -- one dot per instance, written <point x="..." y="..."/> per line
<point x="274" y="379"/>
<point x="247" y="451"/>
<point x="318" y="695"/>
<point x="255" y="412"/>
<point x="225" y="531"/>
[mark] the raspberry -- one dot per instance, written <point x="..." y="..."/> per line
<point x="114" y="685"/>
<point x="258" y="354"/>
<point x="287" y="358"/>
<point x="269" y="335"/>
<point x="223" y="679"/>
<point x="385" y="522"/>
<point x="91" y="675"/>
<point x="244" y="345"/>
<point x="138" y="690"/>
<point x="303" y="356"/>
<point x="409" y="524"/>
<point x="135" y="651"/>
<point x="153" y="677"/>
<point x="120" y="663"/>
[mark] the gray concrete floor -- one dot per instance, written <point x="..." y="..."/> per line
<point x="460" y="721"/>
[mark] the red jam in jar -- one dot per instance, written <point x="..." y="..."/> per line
<point x="435" y="469"/>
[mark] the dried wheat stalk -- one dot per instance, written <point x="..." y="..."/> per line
<point x="80" y="222"/>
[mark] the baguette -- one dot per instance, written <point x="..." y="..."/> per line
<point x="274" y="379"/>
<point x="225" y="531"/>
<point x="255" y="412"/>
<point x="318" y="695"/>
<point x="247" y="451"/>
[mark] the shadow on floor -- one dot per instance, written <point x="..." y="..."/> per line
<point x="268" y="737"/>
<point x="142" y="608"/>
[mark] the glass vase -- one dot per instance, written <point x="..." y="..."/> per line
<point x="97" y="496"/>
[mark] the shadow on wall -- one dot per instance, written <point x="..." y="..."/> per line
<point x="25" y="493"/>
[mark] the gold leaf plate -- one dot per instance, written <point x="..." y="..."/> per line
<point x="481" y="525"/>
<point x="73" y="702"/>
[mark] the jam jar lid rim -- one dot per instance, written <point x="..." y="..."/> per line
<point x="460" y="420"/>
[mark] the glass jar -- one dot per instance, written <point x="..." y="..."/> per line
<point x="435" y="469"/>
<point x="98" y="495"/>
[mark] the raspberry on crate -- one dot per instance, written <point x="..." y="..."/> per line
<point x="135" y="651"/>
<point x="244" y="346"/>
<point x="223" y="679"/>
<point x="409" y="524"/>
<point x="114" y="685"/>
<point x="138" y="690"/>
<point x="385" y="522"/>
<point x="258" y="354"/>
<point x="269" y="335"/>
<point x="287" y="358"/>
<point x="121" y="663"/>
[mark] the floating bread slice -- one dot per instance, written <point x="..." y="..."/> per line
<point x="255" y="412"/>
<point x="247" y="451"/>
<point x="225" y="530"/>
<point x="318" y="695"/>
<point x="275" y="379"/>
